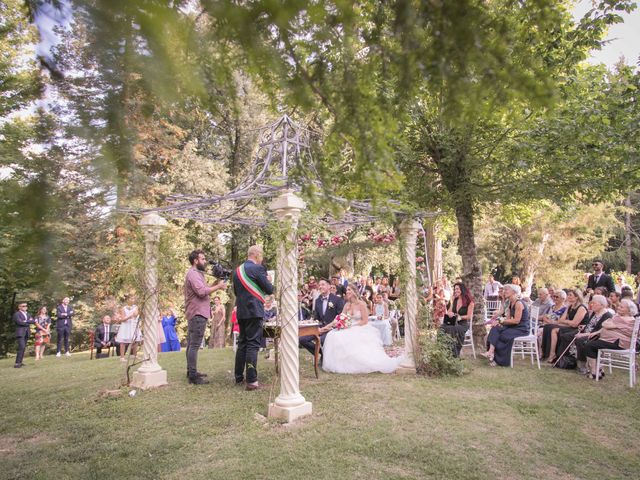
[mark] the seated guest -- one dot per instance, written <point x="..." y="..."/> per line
<point x="439" y="304"/>
<point x="380" y="308"/>
<point x="384" y="286"/>
<point x="626" y="292"/>
<point x="575" y="314"/>
<point x="459" y="315"/>
<point x="270" y="314"/>
<point x="620" y="283"/>
<point x="304" y="313"/>
<point x="614" y="301"/>
<point x="270" y="309"/>
<point x="615" y="334"/>
<point x="394" y="292"/>
<point x="601" y="291"/>
<point x="104" y="336"/>
<point x="558" y="308"/>
<point x="543" y="302"/>
<point x="516" y="324"/>
<point x="171" y="343"/>
<point x="599" y="313"/>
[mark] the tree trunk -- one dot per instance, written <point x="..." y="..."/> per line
<point x="434" y="250"/>
<point x="472" y="275"/>
<point x="627" y="233"/>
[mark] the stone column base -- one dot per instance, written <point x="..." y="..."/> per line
<point x="145" y="380"/>
<point x="401" y="370"/>
<point x="289" y="414"/>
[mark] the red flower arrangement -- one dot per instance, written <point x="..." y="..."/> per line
<point x="342" y="321"/>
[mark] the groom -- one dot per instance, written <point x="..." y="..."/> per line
<point x="325" y="309"/>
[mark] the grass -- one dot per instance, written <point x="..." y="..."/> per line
<point x="492" y="423"/>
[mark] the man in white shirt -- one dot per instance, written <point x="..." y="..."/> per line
<point x="543" y="302"/>
<point x="491" y="289"/>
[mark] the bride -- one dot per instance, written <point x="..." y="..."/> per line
<point x="357" y="349"/>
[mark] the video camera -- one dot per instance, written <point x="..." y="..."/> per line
<point x="220" y="270"/>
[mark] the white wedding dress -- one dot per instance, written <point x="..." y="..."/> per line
<point x="357" y="349"/>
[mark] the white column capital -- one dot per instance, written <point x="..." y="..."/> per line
<point x="152" y="225"/>
<point x="288" y="205"/>
<point x="409" y="226"/>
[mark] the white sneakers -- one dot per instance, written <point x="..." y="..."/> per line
<point x="68" y="354"/>
<point x="58" y="355"/>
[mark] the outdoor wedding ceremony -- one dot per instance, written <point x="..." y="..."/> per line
<point x="339" y="240"/>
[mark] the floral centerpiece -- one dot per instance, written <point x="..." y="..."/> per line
<point x="342" y="321"/>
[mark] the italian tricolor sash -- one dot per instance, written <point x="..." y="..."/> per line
<point x="249" y="284"/>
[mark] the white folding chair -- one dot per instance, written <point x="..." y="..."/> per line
<point x="622" y="359"/>
<point x="490" y="307"/>
<point x="528" y="344"/>
<point x="468" y="339"/>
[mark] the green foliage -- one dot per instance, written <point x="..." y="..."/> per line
<point x="541" y="241"/>
<point x="434" y="356"/>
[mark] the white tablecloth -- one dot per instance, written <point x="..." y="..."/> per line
<point x="384" y="327"/>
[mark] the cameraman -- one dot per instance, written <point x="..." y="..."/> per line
<point x="250" y="285"/>
<point x="197" y="311"/>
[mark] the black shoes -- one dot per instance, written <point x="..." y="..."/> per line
<point x="19" y="365"/>
<point x="198" y="381"/>
<point x="198" y="374"/>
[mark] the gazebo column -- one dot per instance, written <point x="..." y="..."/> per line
<point x="150" y="374"/>
<point x="289" y="404"/>
<point x="408" y="231"/>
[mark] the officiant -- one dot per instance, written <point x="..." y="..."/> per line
<point x="251" y="285"/>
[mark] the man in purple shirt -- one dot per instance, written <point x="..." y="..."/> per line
<point x="198" y="309"/>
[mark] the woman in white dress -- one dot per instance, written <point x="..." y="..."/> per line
<point x="129" y="333"/>
<point x="357" y="349"/>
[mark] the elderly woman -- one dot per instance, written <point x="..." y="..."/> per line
<point x="516" y="324"/>
<point x="559" y="297"/>
<point x="614" y="334"/>
<point x="459" y="315"/>
<point x="574" y="315"/>
<point x="597" y="316"/>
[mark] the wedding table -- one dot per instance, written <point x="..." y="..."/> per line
<point x="305" y="327"/>
<point x="384" y="327"/>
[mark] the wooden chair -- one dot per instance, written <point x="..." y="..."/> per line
<point x="92" y="338"/>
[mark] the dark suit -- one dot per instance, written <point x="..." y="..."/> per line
<point x="22" y="321"/>
<point x="63" y="326"/>
<point x="334" y="307"/>
<point x="104" y="338"/>
<point x="604" y="281"/>
<point x="250" y="314"/>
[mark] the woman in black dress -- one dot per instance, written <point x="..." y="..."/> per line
<point x="458" y="316"/>
<point x="505" y="331"/>
<point x="575" y="314"/>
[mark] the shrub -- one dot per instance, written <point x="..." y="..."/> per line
<point x="434" y="351"/>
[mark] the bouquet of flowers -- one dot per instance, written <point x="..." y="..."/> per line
<point x="342" y="321"/>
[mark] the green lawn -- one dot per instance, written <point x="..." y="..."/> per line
<point x="491" y="423"/>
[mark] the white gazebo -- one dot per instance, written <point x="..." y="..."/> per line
<point x="282" y="172"/>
